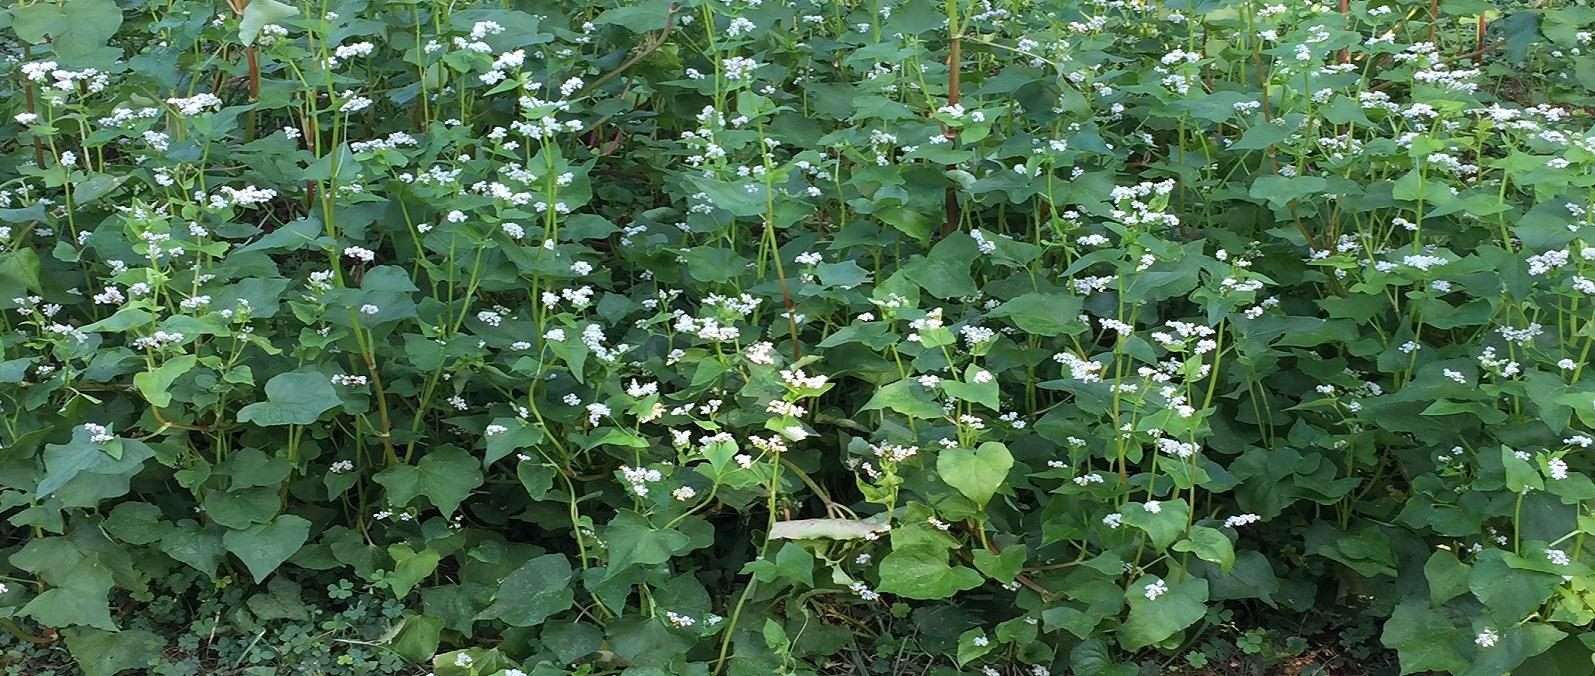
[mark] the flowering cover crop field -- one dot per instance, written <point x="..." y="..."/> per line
<point x="1100" y="337"/>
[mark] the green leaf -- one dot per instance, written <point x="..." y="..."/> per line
<point x="922" y="572"/>
<point x="1516" y="645"/>
<point x="1210" y="545"/>
<point x="266" y="546"/>
<point x="102" y="653"/>
<point x="637" y="17"/>
<point x="1002" y="567"/>
<point x="792" y="562"/>
<point x="903" y="396"/>
<point x="976" y="473"/>
<point x="944" y="272"/>
<point x="1422" y="639"/>
<point x="1162" y="525"/>
<point x="156" y="384"/>
<point x="79" y="598"/>
<point x="19" y="268"/>
<point x="536" y="478"/>
<point x="445" y="476"/>
<point x="416" y="637"/>
<point x="1043" y="314"/>
<point x="137" y="523"/>
<point x="240" y="510"/>
<point x="535" y="592"/>
<point x="259" y="13"/>
<point x="971" y="388"/>
<point x="635" y="542"/>
<point x="294" y="398"/>
<point x="1448" y="577"/>
<point x="200" y="549"/>
<point x="972" y="645"/>
<point x="519" y="434"/>
<point x="65" y="462"/>
<point x="1153" y="620"/>
<point x="410" y="567"/>
<point x="77" y="28"/>
<point x="844" y="275"/>
<point x="1280" y="191"/>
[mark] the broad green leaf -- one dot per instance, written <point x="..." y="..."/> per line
<point x="266" y="546"/>
<point x="1422" y="639"/>
<point x="1516" y="645"/>
<point x="156" y="384"/>
<point x="922" y="572"/>
<point x="978" y="473"/>
<point x="239" y="510"/>
<point x="1152" y="620"/>
<point x="792" y="562"/>
<point x="1162" y="523"/>
<point x="944" y="272"/>
<point x="259" y="13"/>
<point x="416" y="637"/>
<point x="445" y="476"/>
<point x="974" y="644"/>
<point x="1043" y="314"/>
<point x="1448" y="577"/>
<point x="518" y="434"/>
<point x="904" y="396"/>
<point x="77" y="29"/>
<point x="978" y="386"/>
<point x="1280" y="191"/>
<point x="1002" y="567"/>
<point x="1209" y="544"/>
<point x="533" y="593"/>
<point x="78" y="598"/>
<point x="632" y="541"/>
<point x="410" y="567"/>
<point x="136" y="523"/>
<point x="104" y="653"/>
<point x="201" y="549"/>
<point x="294" y="398"/>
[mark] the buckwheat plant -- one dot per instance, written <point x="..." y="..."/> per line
<point x="751" y="336"/>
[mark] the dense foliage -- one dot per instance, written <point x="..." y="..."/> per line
<point x="795" y="336"/>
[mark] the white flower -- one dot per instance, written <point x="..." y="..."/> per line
<point x="99" y="434"/>
<point x="1156" y="589"/>
<point x="739" y="26"/>
<point x="1241" y="520"/>
<point x="1557" y="468"/>
<point x="1486" y="638"/>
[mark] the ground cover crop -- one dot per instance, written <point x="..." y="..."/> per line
<point x="1100" y="337"/>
